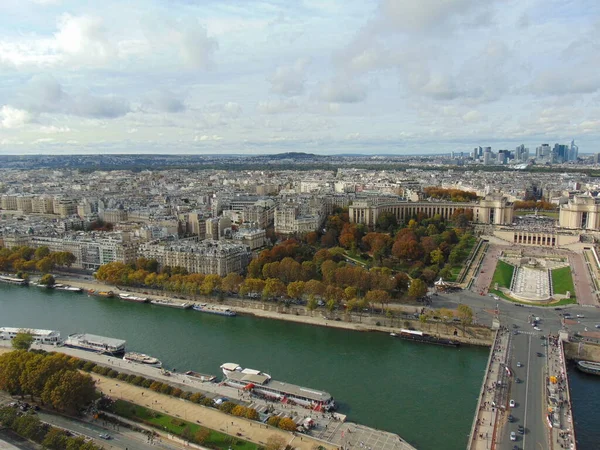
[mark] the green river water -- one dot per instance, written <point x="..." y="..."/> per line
<point x="424" y="393"/>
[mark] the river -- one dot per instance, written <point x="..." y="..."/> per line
<point x="585" y="398"/>
<point x="424" y="393"/>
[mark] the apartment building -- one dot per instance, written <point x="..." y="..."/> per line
<point x="209" y="256"/>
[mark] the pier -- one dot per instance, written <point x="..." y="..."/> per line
<point x="493" y="395"/>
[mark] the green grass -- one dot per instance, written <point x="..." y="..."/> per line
<point x="503" y="274"/>
<point x="563" y="281"/>
<point x="175" y="425"/>
<point x="455" y="271"/>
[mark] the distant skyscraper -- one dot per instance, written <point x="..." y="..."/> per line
<point x="597" y="158"/>
<point x="487" y="157"/>
<point x="573" y="151"/>
<point x="475" y="153"/>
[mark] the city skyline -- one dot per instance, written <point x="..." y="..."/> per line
<point x="386" y="77"/>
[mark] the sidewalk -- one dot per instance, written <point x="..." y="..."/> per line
<point x="559" y="416"/>
<point x="211" y="418"/>
<point x="492" y="402"/>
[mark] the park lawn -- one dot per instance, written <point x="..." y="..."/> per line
<point x="553" y="214"/>
<point x="563" y="281"/>
<point x="455" y="271"/>
<point x="503" y="274"/>
<point x="175" y="426"/>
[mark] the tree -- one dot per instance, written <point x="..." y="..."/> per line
<point x="378" y="296"/>
<point x="312" y="304"/>
<point x="69" y="390"/>
<point x="45" y="265"/>
<point x="465" y="314"/>
<point x="437" y="257"/>
<point x="22" y="340"/>
<point x="55" y="439"/>
<point x="386" y="221"/>
<point x="41" y="252"/>
<point x="275" y="442"/>
<point x="232" y="282"/>
<point x="287" y="424"/>
<point x="252" y="414"/>
<point x="295" y="289"/>
<point x="417" y="288"/>
<point x="47" y="280"/>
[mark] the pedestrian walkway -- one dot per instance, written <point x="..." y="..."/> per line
<point x="493" y="395"/>
<point x="208" y="417"/>
<point x="559" y="417"/>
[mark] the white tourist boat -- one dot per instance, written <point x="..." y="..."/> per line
<point x="94" y="343"/>
<point x="142" y="358"/>
<point x="50" y="337"/>
<point x="263" y="385"/>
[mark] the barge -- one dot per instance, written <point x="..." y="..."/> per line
<point x="13" y="280"/>
<point x="214" y="309"/>
<point x="142" y="358"/>
<point x="98" y="344"/>
<point x="50" y="337"/>
<point x="419" y="336"/>
<point x="262" y="385"/>
<point x="133" y="298"/>
<point x="66" y="287"/>
<point x="196" y="376"/>
<point x="590" y="367"/>
<point x="171" y="304"/>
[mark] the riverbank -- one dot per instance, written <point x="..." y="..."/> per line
<point x="472" y="335"/>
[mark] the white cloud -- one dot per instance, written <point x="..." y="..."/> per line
<point x="164" y="101"/>
<point x="11" y="117"/>
<point x="342" y="91"/>
<point x="289" y="80"/>
<point x="84" y="39"/>
<point x="51" y="129"/>
<point x="276" y="106"/>
<point x="205" y="137"/>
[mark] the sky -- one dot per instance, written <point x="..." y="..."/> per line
<point x="318" y="76"/>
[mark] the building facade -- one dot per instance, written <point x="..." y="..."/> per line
<point x="207" y="257"/>
<point x="495" y="210"/>
<point x="582" y="212"/>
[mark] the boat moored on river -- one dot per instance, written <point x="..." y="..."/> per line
<point x="419" y="336"/>
<point x="66" y="287"/>
<point x="171" y="304"/>
<point x="214" y="309"/>
<point x="133" y="298"/>
<point x="50" y="337"/>
<point x="13" y="280"/>
<point x="99" y="344"/>
<point x="142" y="358"/>
<point x="590" y="367"/>
<point x="263" y="385"/>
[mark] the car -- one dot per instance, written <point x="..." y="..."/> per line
<point x="537" y="328"/>
<point x="221" y="400"/>
<point x="580" y="316"/>
<point x="516" y="447"/>
<point x="512" y="403"/>
<point x="598" y="325"/>
<point x="514" y="325"/>
<point x="516" y="332"/>
<point x="521" y="429"/>
<point x="519" y="364"/>
<point x="106" y="436"/>
<point x="511" y="418"/>
<point x="519" y="305"/>
<point x="513" y="436"/>
<point x="539" y="354"/>
<point x="557" y="309"/>
<point x="518" y="380"/>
